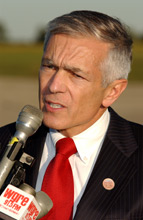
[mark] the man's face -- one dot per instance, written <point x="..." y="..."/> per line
<point x="71" y="92"/>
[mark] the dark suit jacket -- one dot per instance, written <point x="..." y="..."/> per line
<point x="121" y="159"/>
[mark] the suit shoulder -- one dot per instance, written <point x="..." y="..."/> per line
<point x="7" y="129"/>
<point x="6" y="132"/>
<point x="124" y="122"/>
<point x="136" y="125"/>
<point x="137" y="131"/>
<point x="125" y="131"/>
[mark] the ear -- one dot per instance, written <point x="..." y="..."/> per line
<point x="113" y="91"/>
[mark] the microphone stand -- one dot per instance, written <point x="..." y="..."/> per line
<point x="17" y="173"/>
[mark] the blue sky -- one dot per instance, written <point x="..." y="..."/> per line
<point x="22" y="18"/>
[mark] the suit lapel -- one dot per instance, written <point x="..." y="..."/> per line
<point x="113" y="162"/>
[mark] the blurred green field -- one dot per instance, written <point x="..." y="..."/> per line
<point x="137" y="65"/>
<point x="24" y="60"/>
<point x="20" y="60"/>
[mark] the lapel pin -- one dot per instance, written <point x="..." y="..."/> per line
<point x="108" y="184"/>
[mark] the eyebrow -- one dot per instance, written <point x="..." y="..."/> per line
<point x="65" y="67"/>
<point x="47" y="60"/>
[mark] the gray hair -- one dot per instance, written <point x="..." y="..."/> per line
<point x="117" y="64"/>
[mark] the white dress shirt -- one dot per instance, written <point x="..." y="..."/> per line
<point x="88" y="144"/>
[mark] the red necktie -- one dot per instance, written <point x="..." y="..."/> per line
<point x="58" y="182"/>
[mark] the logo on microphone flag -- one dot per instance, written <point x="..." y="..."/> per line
<point x="18" y="204"/>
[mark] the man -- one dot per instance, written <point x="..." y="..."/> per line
<point x="84" y="69"/>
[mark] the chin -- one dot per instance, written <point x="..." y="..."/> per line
<point x="53" y="124"/>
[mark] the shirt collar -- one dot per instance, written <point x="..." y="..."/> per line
<point x="88" y="141"/>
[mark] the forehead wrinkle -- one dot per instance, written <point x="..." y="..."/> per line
<point x="69" y="56"/>
<point x="68" y="61"/>
<point x="64" y="53"/>
<point x="59" y="52"/>
<point x="76" y="59"/>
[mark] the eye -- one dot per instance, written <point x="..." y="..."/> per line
<point x="49" y="66"/>
<point x="76" y="75"/>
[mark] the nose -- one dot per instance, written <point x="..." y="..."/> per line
<point x="57" y="83"/>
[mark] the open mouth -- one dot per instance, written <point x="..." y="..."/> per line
<point x="55" y="105"/>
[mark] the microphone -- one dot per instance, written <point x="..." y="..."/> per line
<point x="28" y="121"/>
<point x="24" y="203"/>
<point x="44" y="202"/>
